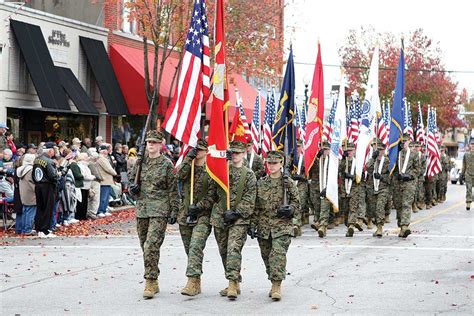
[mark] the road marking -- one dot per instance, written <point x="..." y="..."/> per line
<point x="58" y="247"/>
<point x="422" y="219"/>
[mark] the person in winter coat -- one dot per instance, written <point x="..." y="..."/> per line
<point x="87" y="178"/>
<point x="108" y="173"/>
<point x="120" y="161"/>
<point x="27" y="193"/>
<point x="94" y="191"/>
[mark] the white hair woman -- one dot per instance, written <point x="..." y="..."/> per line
<point x="88" y="177"/>
<point x="94" y="191"/>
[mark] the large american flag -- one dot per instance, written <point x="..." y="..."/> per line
<point x="420" y="128"/>
<point x="256" y="125"/>
<point x="355" y="112"/>
<point x="183" y="117"/>
<point x="408" y="121"/>
<point x="328" y="126"/>
<point x="438" y="139"/>
<point x="382" y="132"/>
<point x="268" y="121"/>
<point x="433" y="165"/>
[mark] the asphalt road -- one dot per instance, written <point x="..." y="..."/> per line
<point x="431" y="272"/>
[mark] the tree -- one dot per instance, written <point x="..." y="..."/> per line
<point x="426" y="80"/>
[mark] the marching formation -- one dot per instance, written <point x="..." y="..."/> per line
<point x="345" y="169"/>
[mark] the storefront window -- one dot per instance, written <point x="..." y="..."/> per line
<point x="126" y="129"/>
<point x="37" y="126"/>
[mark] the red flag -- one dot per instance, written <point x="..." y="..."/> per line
<point x="237" y="130"/>
<point x="315" y="117"/>
<point x="216" y="163"/>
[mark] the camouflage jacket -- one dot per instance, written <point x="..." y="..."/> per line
<point x="216" y="198"/>
<point x="314" y="174"/>
<point x="374" y="165"/>
<point x="422" y="167"/>
<point x="257" y="166"/>
<point x="341" y="176"/>
<point x="413" y="165"/>
<point x="445" y="163"/>
<point x="468" y="164"/>
<point x="269" y="200"/>
<point x="201" y="185"/>
<point x="158" y="194"/>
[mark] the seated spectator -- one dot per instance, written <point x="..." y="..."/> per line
<point x="7" y="159"/>
<point x="27" y="193"/>
<point x="108" y="173"/>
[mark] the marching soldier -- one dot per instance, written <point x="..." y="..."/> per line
<point x="415" y="149"/>
<point x="420" y="182"/>
<point x="347" y="175"/>
<point x="467" y="173"/>
<point x="194" y="219"/>
<point x="303" y="187"/>
<point x="316" y="174"/>
<point x="231" y="225"/>
<point x="406" y="170"/>
<point x="257" y="165"/>
<point x="379" y="178"/>
<point x="157" y="205"/>
<point x="272" y="223"/>
<point x="443" y="176"/>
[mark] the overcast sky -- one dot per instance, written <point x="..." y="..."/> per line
<point x="451" y="23"/>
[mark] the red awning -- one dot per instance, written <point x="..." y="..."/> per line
<point x="128" y="66"/>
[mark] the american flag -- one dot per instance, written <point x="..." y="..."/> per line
<point x="420" y="128"/>
<point x="382" y="132"/>
<point x="256" y="125"/>
<point x="268" y="121"/>
<point x="328" y="126"/>
<point x="183" y="117"/>
<point x="433" y="162"/>
<point x="408" y="121"/>
<point x="387" y="117"/>
<point x="300" y="121"/>
<point x="243" y="117"/>
<point x="355" y="112"/>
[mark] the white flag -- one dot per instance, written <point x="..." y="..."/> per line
<point x="370" y="110"/>
<point x="338" y="136"/>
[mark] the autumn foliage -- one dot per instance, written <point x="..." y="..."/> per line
<point x="426" y="80"/>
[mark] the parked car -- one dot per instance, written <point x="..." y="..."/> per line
<point x="455" y="172"/>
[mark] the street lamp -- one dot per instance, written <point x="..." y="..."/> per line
<point x="306" y="90"/>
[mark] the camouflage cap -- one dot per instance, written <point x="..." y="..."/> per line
<point x="417" y="143"/>
<point x="350" y="146"/>
<point x="406" y="137"/>
<point x="201" y="144"/>
<point x="238" y="147"/>
<point x="380" y="145"/>
<point x="299" y="142"/>
<point x="325" y="145"/>
<point x="275" y="156"/>
<point x="154" y="136"/>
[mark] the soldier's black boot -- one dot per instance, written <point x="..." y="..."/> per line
<point x="350" y="231"/>
<point x="468" y="206"/>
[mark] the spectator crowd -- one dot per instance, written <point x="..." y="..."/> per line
<point x="54" y="184"/>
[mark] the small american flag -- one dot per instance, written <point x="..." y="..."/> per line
<point x="433" y="160"/>
<point x="382" y="129"/>
<point x="268" y="121"/>
<point x="355" y="112"/>
<point x="438" y="139"/>
<point x="328" y="126"/>
<point x="183" y="117"/>
<point x="408" y="121"/>
<point x="243" y="118"/>
<point x="256" y="125"/>
<point x="420" y="128"/>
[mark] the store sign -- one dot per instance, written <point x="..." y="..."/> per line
<point x="58" y="38"/>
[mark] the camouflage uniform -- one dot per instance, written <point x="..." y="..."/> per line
<point x="157" y="201"/>
<point x="257" y="165"/>
<point x="274" y="233"/>
<point x="420" y="183"/>
<point x="313" y="188"/>
<point x="406" y="188"/>
<point x="231" y="238"/>
<point x="344" y="197"/>
<point x="443" y="177"/>
<point x="383" y="193"/>
<point x="303" y="190"/>
<point x="194" y="236"/>
<point x="468" y="174"/>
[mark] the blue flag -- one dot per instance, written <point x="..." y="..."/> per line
<point x="284" y="129"/>
<point x="397" y="123"/>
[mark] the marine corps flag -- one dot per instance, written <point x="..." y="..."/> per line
<point x="284" y="127"/>
<point x="314" y="121"/>
<point x="216" y="163"/>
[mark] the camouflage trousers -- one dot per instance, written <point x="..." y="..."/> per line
<point x="356" y="203"/>
<point x="407" y="194"/>
<point x="194" y="240"/>
<point x="344" y="207"/>
<point x="420" y="190"/>
<point x="469" y="181"/>
<point x="230" y="242"/>
<point x="273" y="251"/>
<point x="442" y="185"/>
<point x="371" y="201"/>
<point x="314" y="200"/>
<point x="303" y="190"/>
<point x="381" y="201"/>
<point x="429" y="184"/>
<point x="151" y="233"/>
<point x="325" y="214"/>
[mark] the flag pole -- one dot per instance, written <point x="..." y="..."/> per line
<point x="226" y="126"/>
